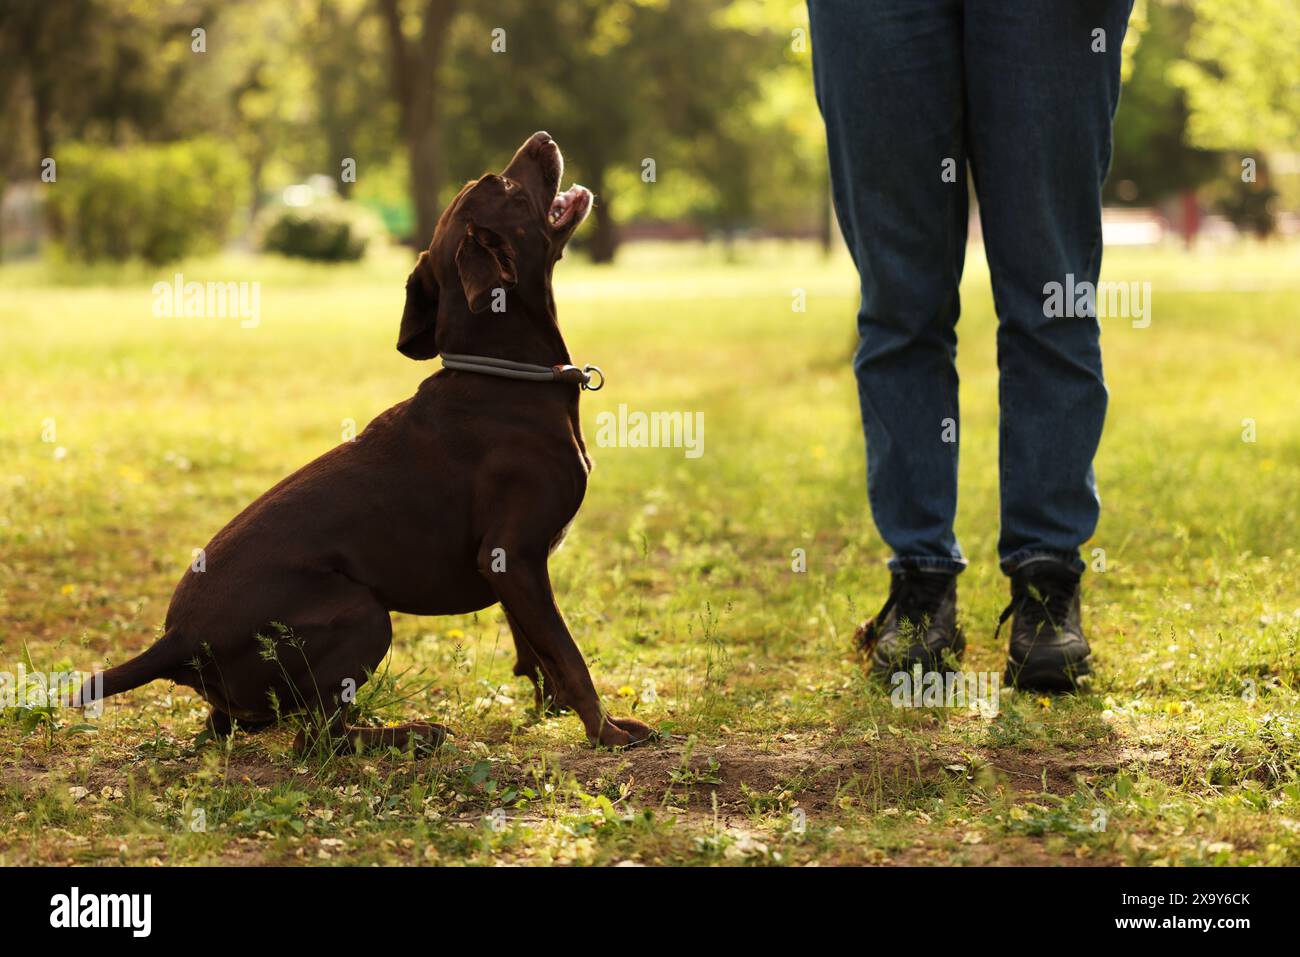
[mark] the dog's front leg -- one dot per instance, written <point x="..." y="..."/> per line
<point x="545" y="697"/>
<point x="525" y="592"/>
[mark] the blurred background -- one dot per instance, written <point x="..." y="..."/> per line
<point x="318" y="128"/>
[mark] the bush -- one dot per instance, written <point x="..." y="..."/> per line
<point x="156" y="202"/>
<point x="329" y="230"/>
<point x="1251" y="207"/>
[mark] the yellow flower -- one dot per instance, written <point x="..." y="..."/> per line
<point x="626" y="691"/>
<point x="1174" y="707"/>
<point x="67" y="589"/>
<point x="455" y="634"/>
<point x="1045" y="703"/>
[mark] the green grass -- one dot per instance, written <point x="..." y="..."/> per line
<point x="677" y="581"/>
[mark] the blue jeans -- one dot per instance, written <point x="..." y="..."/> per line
<point x="913" y="92"/>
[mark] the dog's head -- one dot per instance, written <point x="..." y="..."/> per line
<point x="501" y="236"/>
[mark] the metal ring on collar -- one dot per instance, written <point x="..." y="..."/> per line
<point x="588" y="370"/>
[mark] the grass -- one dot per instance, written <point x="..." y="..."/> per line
<point x="677" y="580"/>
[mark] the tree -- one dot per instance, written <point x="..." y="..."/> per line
<point x="1242" y="76"/>
<point x="342" y="61"/>
<point x="95" y="69"/>
<point x="417" y="61"/>
<point x="635" y="91"/>
<point x="1154" y="157"/>
<point x="1242" y="83"/>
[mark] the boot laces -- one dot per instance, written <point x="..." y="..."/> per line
<point x="1042" y="598"/>
<point x="917" y="596"/>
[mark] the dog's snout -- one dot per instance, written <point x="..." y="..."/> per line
<point x="538" y="165"/>
<point x="539" y="144"/>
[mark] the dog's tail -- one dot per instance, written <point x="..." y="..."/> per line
<point x="160" y="660"/>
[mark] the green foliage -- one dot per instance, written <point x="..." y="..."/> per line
<point x="676" y="579"/>
<point x="297" y="88"/>
<point x="280" y="812"/>
<point x="1153" y="155"/>
<point x="94" y="70"/>
<point x="328" y="231"/>
<point x="157" y="203"/>
<point x="1241" y="75"/>
<point x="621" y="83"/>
<point x="1249" y="204"/>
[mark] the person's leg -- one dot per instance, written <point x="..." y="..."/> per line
<point x="1041" y="97"/>
<point x="1042" y="81"/>
<point x="888" y="76"/>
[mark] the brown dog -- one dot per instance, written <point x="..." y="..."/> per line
<point x="447" y="503"/>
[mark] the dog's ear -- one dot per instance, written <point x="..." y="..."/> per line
<point x="486" y="262"/>
<point x="415" y="339"/>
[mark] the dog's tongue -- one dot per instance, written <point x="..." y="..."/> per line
<point x="566" y="204"/>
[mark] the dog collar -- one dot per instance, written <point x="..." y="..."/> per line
<point x="508" y="369"/>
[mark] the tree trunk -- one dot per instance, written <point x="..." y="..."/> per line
<point x="416" y="66"/>
<point x="424" y="156"/>
<point x="604" y="233"/>
<point x="330" y="77"/>
<point x="42" y="114"/>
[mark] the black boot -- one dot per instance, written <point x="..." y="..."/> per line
<point x="916" y="626"/>
<point x="1048" y="650"/>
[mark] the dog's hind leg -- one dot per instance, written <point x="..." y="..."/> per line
<point x="416" y="736"/>
<point x="222" y="725"/>
<point x="337" y="653"/>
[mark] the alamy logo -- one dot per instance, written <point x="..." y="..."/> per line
<point x="651" y="430"/>
<point x="976" y="691"/>
<point x="1102" y="300"/>
<point x="74" y="909"/>
<point x="179" y="299"/>
<point x="48" y="689"/>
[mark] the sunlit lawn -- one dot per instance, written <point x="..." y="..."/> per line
<point x="677" y="581"/>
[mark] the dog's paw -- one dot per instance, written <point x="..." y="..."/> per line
<point x="418" y="736"/>
<point x="425" y="736"/>
<point x="625" y="733"/>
